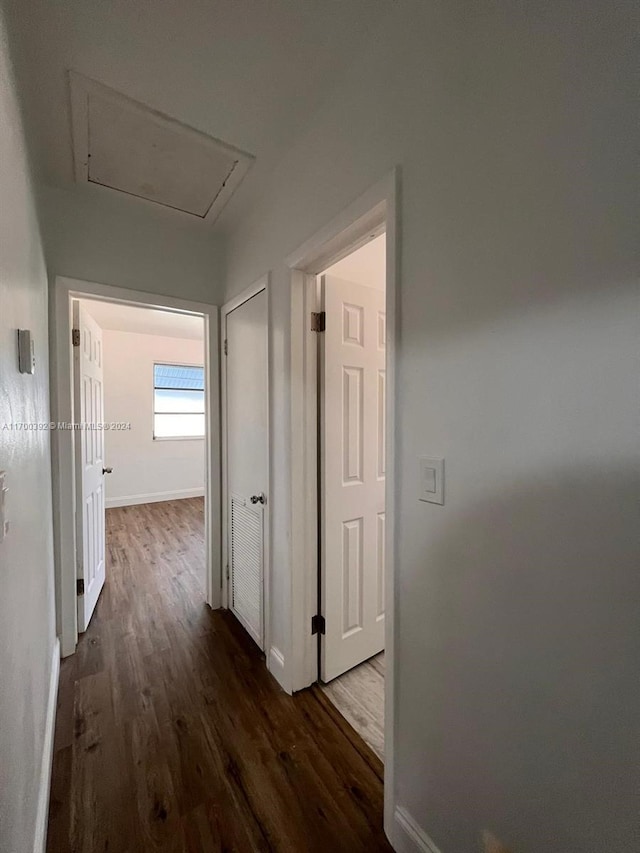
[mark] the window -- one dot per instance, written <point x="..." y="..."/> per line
<point x="178" y="401"/>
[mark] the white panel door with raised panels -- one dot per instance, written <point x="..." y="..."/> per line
<point x="247" y="459"/>
<point x="89" y="458"/>
<point x="352" y="418"/>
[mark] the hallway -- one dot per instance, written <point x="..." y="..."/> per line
<point x="171" y="735"/>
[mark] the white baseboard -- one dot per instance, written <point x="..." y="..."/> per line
<point x="275" y="665"/>
<point x="154" y="497"/>
<point x="47" y="753"/>
<point x="409" y="836"/>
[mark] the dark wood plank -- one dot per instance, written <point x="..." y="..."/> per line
<point x="59" y="831"/>
<point x="172" y="736"/>
<point x="97" y="778"/>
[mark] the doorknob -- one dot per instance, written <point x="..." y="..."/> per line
<point x="258" y="499"/>
<point x="107" y="470"/>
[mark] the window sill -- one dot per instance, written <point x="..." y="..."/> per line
<point x="178" y="438"/>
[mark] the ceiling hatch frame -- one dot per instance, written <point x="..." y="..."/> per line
<point x="81" y="89"/>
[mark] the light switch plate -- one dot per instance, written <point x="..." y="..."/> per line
<point x="4" y="524"/>
<point x="431" y="485"/>
<point x="26" y="355"/>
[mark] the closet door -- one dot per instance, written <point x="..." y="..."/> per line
<point x="247" y="459"/>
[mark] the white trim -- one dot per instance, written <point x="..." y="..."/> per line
<point x="410" y="837"/>
<point x="350" y="230"/>
<point x="263" y="283"/>
<point x="154" y="497"/>
<point x="393" y="284"/>
<point x="303" y="670"/>
<point x="378" y="206"/>
<point x="39" y="843"/>
<point x="177" y="437"/>
<point x="239" y="299"/>
<point x="63" y="463"/>
<point x="275" y="665"/>
<point x="81" y="87"/>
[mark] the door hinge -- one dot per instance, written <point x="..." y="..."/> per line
<point x="318" y="321"/>
<point x="80" y="586"/>
<point x="226" y="347"/>
<point x="317" y="624"/>
<point x="75" y="337"/>
<point x="227" y="570"/>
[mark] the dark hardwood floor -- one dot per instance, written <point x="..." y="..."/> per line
<point x="172" y="736"/>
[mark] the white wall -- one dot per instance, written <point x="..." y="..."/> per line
<point x="145" y="470"/>
<point x="93" y="236"/>
<point x="518" y="643"/>
<point x="27" y="620"/>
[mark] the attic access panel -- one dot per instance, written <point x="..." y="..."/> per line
<point x="125" y="146"/>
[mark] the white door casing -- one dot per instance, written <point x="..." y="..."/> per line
<point x="89" y="463"/>
<point x="352" y="474"/>
<point x="247" y="436"/>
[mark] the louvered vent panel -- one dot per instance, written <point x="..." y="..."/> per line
<point x="246" y="565"/>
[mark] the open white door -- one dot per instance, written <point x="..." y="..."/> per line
<point x="89" y="461"/>
<point x="352" y="474"/>
<point x="247" y="446"/>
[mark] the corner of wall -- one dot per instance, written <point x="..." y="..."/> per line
<point x="276" y="666"/>
<point x="408" y="835"/>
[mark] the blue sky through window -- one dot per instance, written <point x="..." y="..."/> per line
<point x="178" y="376"/>
<point x="178" y="401"/>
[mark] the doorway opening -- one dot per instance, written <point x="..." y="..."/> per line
<point x="351" y="487"/>
<point x="138" y="379"/>
<point x="134" y="472"/>
<point x="372" y="215"/>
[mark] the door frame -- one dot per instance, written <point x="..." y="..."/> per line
<point x="377" y="207"/>
<point x="63" y="440"/>
<point x="263" y="283"/>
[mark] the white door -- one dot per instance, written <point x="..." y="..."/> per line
<point x="89" y="458"/>
<point x="247" y="459"/>
<point x="352" y="474"/>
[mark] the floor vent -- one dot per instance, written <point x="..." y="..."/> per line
<point x="247" y="565"/>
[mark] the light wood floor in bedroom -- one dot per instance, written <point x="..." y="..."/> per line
<point x="172" y="736"/>
<point x="359" y="696"/>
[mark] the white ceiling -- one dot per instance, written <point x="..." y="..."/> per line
<point x="367" y="265"/>
<point x="144" y="321"/>
<point x="248" y="72"/>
